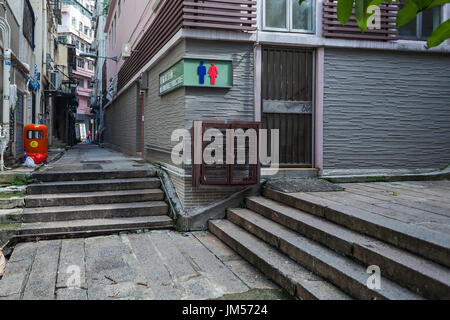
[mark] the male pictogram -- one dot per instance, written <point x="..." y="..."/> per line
<point x="213" y="73"/>
<point x="201" y="71"/>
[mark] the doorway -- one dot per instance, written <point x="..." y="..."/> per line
<point x="287" y="102"/>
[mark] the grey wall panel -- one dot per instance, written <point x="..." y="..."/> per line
<point x="386" y="109"/>
<point x="236" y="103"/>
<point x="163" y="114"/>
<point x="120" y="121"/>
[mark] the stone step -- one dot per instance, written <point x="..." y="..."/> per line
<point x="55" y="176"/>
<point x="344" y="273"/>
<point x="295" y="279"/>
<point x="95" y="211"/>
<point x="421" y="241"/>
<point x="87" y="226"/>
<point x="87" y="198"/>
<point x="93" y="185"/>
<point x="425" y="277"/>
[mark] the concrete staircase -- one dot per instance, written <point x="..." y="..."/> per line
<point x="93" y="202"/>
<point x="315" y="255"/>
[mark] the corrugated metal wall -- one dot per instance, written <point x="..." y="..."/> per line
<point x="386" y="109"/>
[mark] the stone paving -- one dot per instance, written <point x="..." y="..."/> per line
<point x="152" y="265"/>
<point x="92" y="157"/>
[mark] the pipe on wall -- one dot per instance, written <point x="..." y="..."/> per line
<point x="4" y="137"/>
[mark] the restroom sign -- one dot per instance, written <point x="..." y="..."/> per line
<point x="193" y="72"/>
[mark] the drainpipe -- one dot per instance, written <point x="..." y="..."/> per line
<point x="4" y="135"/>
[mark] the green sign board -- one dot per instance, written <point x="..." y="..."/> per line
<point x="190" y="72"/>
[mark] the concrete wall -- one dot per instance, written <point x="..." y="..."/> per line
<point x="120" y="122"/>
<point x="177" y="110"/>
<point x="223" y="104"/>
<point x="386" y="109"/>
<point x="163" y="114"/>
<point x="129" y="26"/>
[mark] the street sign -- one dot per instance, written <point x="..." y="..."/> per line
<point x="193" y="72"/>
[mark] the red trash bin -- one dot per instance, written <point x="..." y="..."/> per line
<point x="36" y="142"/>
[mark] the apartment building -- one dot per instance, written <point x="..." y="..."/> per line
<point x="342" y="100"/>
<point x="98" y="47"/>
<point x="76" y="29"/>
<point x="35" y="72"/>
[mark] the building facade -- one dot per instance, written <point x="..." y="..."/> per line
<point x="342" y="100"/>
<point x="76" y="29"/>
<point x="32" y="72"/>
<point x="98" y="47"/>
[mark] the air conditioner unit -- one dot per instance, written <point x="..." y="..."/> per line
<point x="55" y="80"/>
<point x="94" y="45"/>
<point x="143" y="81"/>
<point x="93" y="80"/>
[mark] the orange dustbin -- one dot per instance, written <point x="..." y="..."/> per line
<point x="36" y="140"/>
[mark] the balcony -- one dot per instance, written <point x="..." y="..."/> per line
<point x="332" y="28"/>
<point x="229" y="15"/>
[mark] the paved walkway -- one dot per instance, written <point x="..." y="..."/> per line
<point x="154" y="265"/>
<point x="424" y="204"/>
<point x="92" y="157"/>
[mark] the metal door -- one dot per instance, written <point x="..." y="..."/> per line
<point x="287" y="102"/>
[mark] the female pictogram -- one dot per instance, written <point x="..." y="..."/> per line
<point x="213" y="73"/>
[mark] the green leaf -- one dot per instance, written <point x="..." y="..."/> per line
<point x="439" y="35"/>
<point x="360" y="13"/>
<point x="344" y="10"/>
<point x="435" y="3"/>
<point x="409" y="12"/>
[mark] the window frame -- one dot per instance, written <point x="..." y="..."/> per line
<point x="78" y="63"/>
<point x="419" y="26"/>
<point x="31" y="42"/>
<point x="289" y="19"/>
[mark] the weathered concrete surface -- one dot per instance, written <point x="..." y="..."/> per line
<point x="348" y="275"/>
<point x="150" y="265"/>
<point x="419" y="275"/>
<point x="410" y="215"/>
<point x="382" y="175"/>
<point x="302" y="185"/>
<point x="291" y="276"/>
<point x="84" y="157"/>
<point x="198" y="219"/>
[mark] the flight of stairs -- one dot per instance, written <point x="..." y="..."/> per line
<point x="315" y="256"/>
<point x="93" y="202"/>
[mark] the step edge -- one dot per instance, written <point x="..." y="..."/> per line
<point x="293" y="284"/>
<point x="283" y="241"/>
<point x="329" y="212"/>
<point x="397" y="268"/>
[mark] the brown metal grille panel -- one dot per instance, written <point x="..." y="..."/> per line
<point x="332" y="28"/>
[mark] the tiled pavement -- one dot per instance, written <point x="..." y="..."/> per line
<point x="151" y="265"/>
